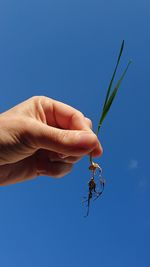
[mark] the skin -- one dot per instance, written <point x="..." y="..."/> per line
<point x="42" y="136"/>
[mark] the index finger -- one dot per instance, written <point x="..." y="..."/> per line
<point x="63" y="116"/>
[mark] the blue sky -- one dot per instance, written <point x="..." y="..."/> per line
<point x="67" y="50"/>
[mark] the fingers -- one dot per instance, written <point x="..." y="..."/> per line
<point x="67" y="117"/>
<point x="31" y="167"/>
<point x="52" y="112"/>
<point x="63" y="116"/>
<point x="68" y="142"/>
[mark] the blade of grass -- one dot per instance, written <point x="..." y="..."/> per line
<point x="114" y="73"/>
<point x="111" y="98"/>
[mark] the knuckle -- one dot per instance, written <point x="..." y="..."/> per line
<point x="37" y="97"/>
<point x="40" y="99"/>
<point x="64" y="136"/>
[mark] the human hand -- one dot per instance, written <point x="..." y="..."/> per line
<point x="42" y="136"/>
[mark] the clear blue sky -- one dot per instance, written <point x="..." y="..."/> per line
<point x="67" y="50"/>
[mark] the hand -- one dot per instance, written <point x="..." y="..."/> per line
<point x="42" y="136"/>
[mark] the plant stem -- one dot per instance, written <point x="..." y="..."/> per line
<point x="97" y="132"/>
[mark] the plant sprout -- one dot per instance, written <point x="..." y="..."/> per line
<point x="94" y="167"/>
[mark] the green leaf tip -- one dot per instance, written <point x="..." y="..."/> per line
<point x="114" y="73"/>
<point x="110" y="97"/>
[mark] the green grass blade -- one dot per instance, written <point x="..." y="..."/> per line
<point x="111" y="98"/>
<point x="114" y="73"/>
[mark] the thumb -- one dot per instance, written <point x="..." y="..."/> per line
<point x="68" y="142"/>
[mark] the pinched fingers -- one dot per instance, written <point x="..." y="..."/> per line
<point x="67" y="142"/>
